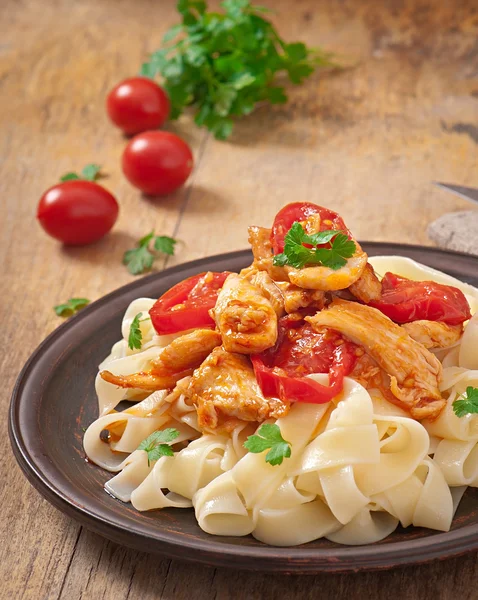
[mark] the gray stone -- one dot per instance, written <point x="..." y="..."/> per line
<point x="456" y="231"/>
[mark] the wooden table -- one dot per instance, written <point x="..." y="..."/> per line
<point x="366" y="141"/>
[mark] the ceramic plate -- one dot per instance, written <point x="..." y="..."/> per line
<point x="54" y="400"/>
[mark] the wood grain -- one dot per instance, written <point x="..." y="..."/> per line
<point x="367" y="141"/>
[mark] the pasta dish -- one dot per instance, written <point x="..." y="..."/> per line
<point x="317" y="393"/>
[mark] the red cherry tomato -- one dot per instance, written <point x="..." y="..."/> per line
<point x="404" y="300"/>
<point x="187" y="304"/>
<point x="137" y="104"/>
<point x="299" y="211"/>
<point x="280" y="371"/>
<point x="77" y="212"/>
<point x="157" y="162"/>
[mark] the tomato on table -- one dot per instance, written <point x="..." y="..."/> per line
<point x="300" y="351"/>
<point x="187" y="304"/>
<point x="404" y="301"/>
<point x="137" y="104"/>
<point x="299" y="211"/>
<point x="77" y="212"/>
<point x="157" y="162"/>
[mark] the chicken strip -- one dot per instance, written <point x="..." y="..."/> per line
<point x="368" y="286"/>
<point x="260" y="241"/>
<point x="414" y="371"/>
<point x="295" y="298"/>
<point x="285" y="297"/>
<point x="269" y="289"/>
<point x="367" y="372"/>
<point x="177" y="360"/>
<point x="325" y="278"/>
<point x="225" y="391"/>
<point x="246" y="319"/>
<point x="434" y="334"/>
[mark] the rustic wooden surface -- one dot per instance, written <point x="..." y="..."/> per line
<point x="366" y="141"/>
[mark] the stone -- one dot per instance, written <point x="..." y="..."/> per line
<point x="456" y="231"/>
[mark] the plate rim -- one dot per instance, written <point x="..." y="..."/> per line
<point x="296" y="560"/>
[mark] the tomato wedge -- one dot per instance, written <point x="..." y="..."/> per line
<point x="280" y="371"/>
<point x="187" y="304"/>
<point x="299" y="211"/>
<point x="404" y="300"/>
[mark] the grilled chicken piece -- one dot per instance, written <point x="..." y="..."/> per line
<point x="269" y="289"/>
<point x="246" y="319"/>
<point x="177" y="360"/>
<point x="259" y="238"/>
<point x="260" y="241"/>
<point x="367" y="372"/>
<point x="295" y="298"/>
<point x="225" y="391"/>
<point x="434" y="334"/>
<point x="414" y="371"/>
<point x="326" y="279"/>
<point x="276" y="273"/>
<point x="368" y="286"/>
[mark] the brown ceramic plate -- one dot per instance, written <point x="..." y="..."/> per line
<point x="54" y="399"/>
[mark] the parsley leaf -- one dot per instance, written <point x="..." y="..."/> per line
<point x="89" y="173"/>
<point x="165" y="244"/>
<point x="72" y="306"/>
<point x="269" y="436"/>
<point x="297" y="255"/>
<point x="156" y="445"/>
<point x="69" y="177"/>
<point x="140" y="259"/>
<point x="225" y="63"/>
<point x="467" y="403"/>
<point x="135" y="337"/>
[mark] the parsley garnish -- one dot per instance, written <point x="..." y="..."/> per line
<point x="89" y="173"/>
<point x="269" y="436"/>
<point x="140" y="259"/>
<point x="297" y="255"/>
<point x="72" y="306"/>
<point x="135" y="337"/>
<point x="467" y="403"/>
<point x="223" y="64"/>
<point x="156" y="444"/>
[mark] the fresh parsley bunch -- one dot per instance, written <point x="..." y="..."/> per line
<point x="223" y="64"/>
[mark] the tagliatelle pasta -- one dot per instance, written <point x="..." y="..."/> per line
<point x="359" y="464"/>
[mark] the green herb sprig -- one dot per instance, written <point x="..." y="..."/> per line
<point x="156" y="445"/>
<point x="70" y="307"/>
<point x="224" y="64"/>
<point x="297" y="255"/>
<point x="89" y="173"/>
<point x="141" y="259"/>
<point x="135" y="337"/>
<point x="467" y="403"/>
<point x="269" y="437"/>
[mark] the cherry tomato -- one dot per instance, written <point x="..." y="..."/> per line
<point x="187" y="304"/>
<point x="77" y="212"/>
<point x="404" y="300"/>
<point x="137" y="104"/>
<point x="157" y="162"/>
<point x="280" y="371"/>
<point x="299" y="211"/>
